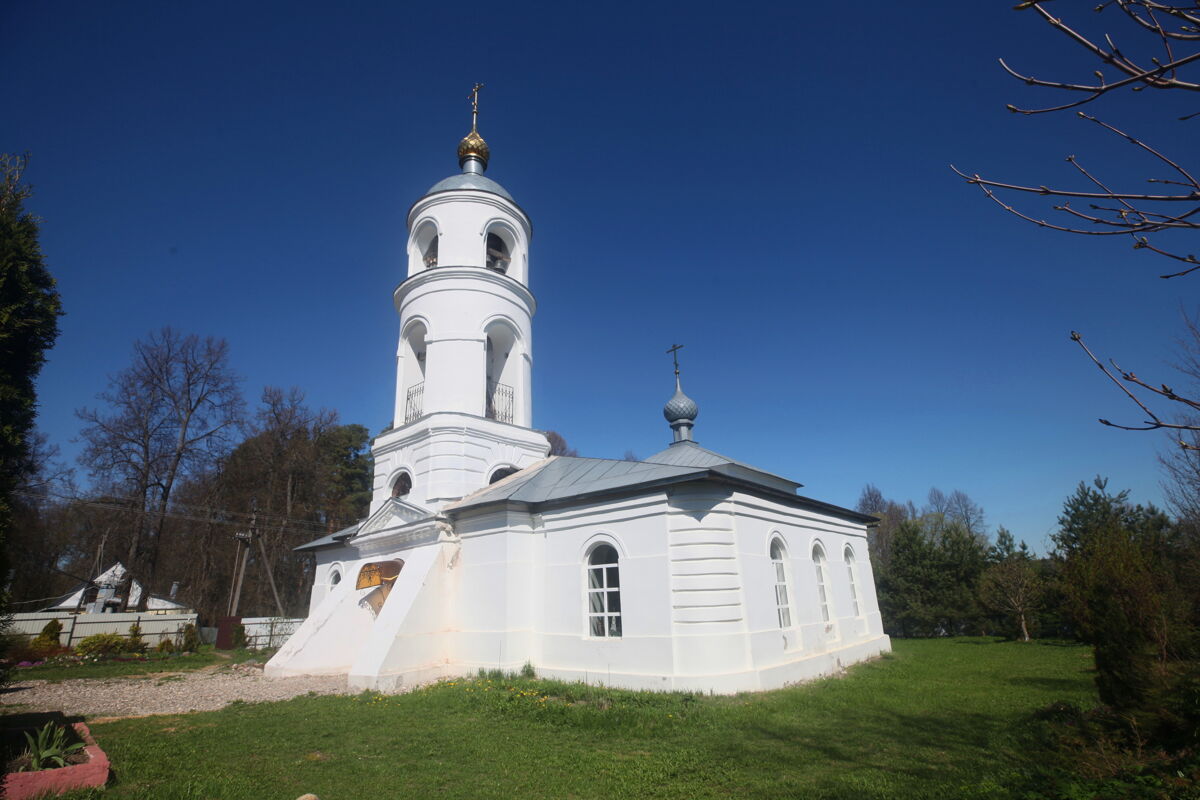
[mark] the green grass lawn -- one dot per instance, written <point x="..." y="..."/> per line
<point x="939" y="718"/>
<point x="206" y="657"/>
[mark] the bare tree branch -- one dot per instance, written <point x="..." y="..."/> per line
<point x="1172" y="26"/>
<point x="1126" y="377"/>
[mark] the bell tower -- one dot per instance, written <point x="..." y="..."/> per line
<point x="464" y="364"/>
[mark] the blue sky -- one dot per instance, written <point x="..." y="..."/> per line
<point x="768" y="184"/>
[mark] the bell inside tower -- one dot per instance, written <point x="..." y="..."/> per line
<point x="499" y="255"/>
<point x="425" y="245"/>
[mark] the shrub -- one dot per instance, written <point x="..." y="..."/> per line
<point x="239" y="637"/>
<point x="18" y="648"/>
<point x="51" y="629"/>
<point x="40" y="648"/>
<point x="191" y="639"/>
<point x="166" y="646"/>
<point x="46" y="643"/>
<point x="136" y="643"/>
<point x="102" y="644"/>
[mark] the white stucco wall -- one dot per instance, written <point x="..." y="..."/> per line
<point x="697" y="594"/>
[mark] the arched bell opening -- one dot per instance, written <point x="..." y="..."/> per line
<point x="498" y="255"/>
<point x="424" y="248"/>
<point x="412" y="369"/>
<point x="503" y="369"/>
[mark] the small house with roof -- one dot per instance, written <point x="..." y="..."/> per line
<point x="687" y="570"/>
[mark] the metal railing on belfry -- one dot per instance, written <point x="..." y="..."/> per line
<point x="499" y="402"/>
<point x="414" y="402"/>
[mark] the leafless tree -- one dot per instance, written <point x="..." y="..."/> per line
<point x="558" y="445"/>
<point x="170" y="414"/>
<point x="890" y="514"/>
<point x="1013" y="587"/>
<point x="1166" y="47"/>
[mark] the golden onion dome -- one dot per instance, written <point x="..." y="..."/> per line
<point x="473" y="145"/>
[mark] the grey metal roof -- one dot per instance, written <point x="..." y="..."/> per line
<point x="468" y="180"/>
<point x="332" y="540"/>
<point x="562" y="477"/>
<point x="690" y="454"/>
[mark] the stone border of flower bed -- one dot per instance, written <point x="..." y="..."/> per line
<point x="94" y="772"/>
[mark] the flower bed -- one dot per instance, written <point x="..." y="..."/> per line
<point x="92" y="772"/>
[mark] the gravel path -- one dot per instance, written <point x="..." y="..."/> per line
<point x="163" y="693"/>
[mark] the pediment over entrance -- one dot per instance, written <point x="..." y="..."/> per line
<point x="395" y="513"/>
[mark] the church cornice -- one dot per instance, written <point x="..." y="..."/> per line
<point x="473" y="196"/>
<point x="452" y="423"/>
<point x="700" y="476"/>
<point x="476" y="275"/>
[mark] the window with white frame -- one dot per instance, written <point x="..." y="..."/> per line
<point x="783" y="608"/>
<point x="853" y="582"/>
<point x="818" y="556"/>
<point x="603" y="592"/>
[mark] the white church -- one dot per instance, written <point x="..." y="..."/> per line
<point x="686" y="571"/>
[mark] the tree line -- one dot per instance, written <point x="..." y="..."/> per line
<point x="1121" y="577"/>
<point x="180" y="466"/>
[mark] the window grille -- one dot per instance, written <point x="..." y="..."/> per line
<point x="853" y="583"/>
<point x="822" y="590"/>
<point x="499" y="402"/>
<point x="783" y="608"/>
<point x="604" y="592"/>
<point x="414" y="403"/>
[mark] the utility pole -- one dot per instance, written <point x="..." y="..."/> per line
<point x="266" y="563"/>
<point x="245" y="539"/>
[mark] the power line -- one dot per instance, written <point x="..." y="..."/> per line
<point x="282" y="524"/>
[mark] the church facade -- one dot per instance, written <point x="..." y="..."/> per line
<point x="688" y="570"/>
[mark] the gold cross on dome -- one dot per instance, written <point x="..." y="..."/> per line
<point x="474" y="98"/>
<point x="674" y="351"/>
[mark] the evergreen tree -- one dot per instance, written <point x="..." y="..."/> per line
<point x="1128" y="576"/>
<point x="29" y="311"/>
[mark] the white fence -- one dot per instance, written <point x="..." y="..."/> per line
<point x="155" y="627"/>
<point x="268" y="631"/>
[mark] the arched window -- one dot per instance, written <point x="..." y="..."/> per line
<point x="402" y="485"/>
<point x="783" y="608"/>
<point x="499" y="254"/>
<point x="850" y="574"/>
<point x="502" y="473"/>
<point x="335" y="577"/>
<point x="818" y="556"/>
<point x="603" y="592"/>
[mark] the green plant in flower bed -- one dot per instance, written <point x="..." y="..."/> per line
<point x="46" y="643"/>
<point x="135" y="643"/>
<point x="191" y="639"/>
<point x="102" y="644"/>
<point x="50" y="748"/>
<point x="941" y="718"/>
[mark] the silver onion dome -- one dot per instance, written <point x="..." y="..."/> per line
<point x="680" y="407"/>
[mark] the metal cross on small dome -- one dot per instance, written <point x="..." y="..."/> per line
<point x="674" y="351"/>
